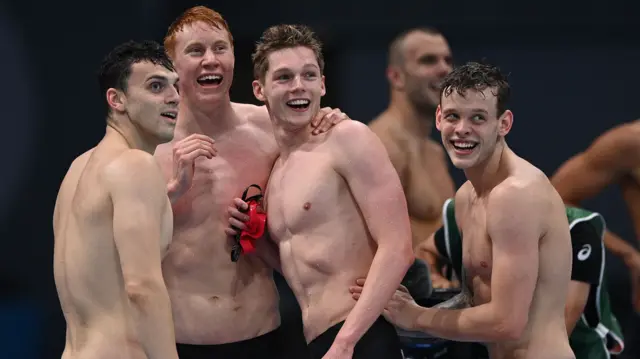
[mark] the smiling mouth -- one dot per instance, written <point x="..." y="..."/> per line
<point x="299" y="104"/>
<point x="170" y="115"/>
<point x="463" y="146"/>
<point x="209" y="80"/>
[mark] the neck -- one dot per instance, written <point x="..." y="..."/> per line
<point x="413" y="119"/>
<point x="486" y="175"/>
<point x="290" y="139"/>
<point x="121" y="126"/>
<point x="211" y="121"/>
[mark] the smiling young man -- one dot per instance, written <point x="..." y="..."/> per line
<point x="327" y="228"/>
<point x="208" y="290"/>
<point x="516" y="257"/>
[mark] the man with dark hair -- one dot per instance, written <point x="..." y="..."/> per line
<point x="112" y="220"/>
<point x="516" y="260"/>
<point x="594" y="332"/>
<point x="327" y="228"/>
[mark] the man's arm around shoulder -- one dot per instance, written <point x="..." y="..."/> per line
<point x="362" y="160"/>
<point x="514" y="220"/>
<point x="139" y="197"/>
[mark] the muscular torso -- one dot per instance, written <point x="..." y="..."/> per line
<point x="545" y="335"/>
<point x="215" y="300"/>
<point x="322" y="238"/>
<point x="87" y="270"/>
<point x="423" y="171"/>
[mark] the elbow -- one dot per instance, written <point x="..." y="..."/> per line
<point x="141" y="292"/>
<point x="510" y="327"/>
<point x="404" y="254"/>
<point x="398" y="250"/>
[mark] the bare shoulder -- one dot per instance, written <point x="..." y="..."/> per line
<point x="352" y="132"/>
<point x="131" y="167"/>
<point x="82" y="160"/>
<point x="255" y="116"/>
<point x="72" y="177"/>
<point x="526" y="196"/>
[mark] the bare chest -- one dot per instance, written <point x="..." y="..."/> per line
<point x="216" y="181"/>
<point x="302" y="194"/>
<point x="427" y="181"/>
<point x="476" y="245"/>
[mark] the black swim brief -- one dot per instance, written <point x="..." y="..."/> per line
<point x="379" y="342"/>
<point x="266" y="346"/>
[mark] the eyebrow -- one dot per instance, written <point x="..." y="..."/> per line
<point x="161" y="78"/>
<point x="157" y="77"/>
<point x="199" y="43"/>
<point x="281" y="69"/>
<point x="473" y="110"/>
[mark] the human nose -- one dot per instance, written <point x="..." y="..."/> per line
<point x="210" y="59"/>
<point x="462" y="128"/>
<point x="296" y="84"/>
<point x="173" y="97"/>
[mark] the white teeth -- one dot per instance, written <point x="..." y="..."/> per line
<point x="463" y="144"/>
<point x="209" y="78"/>
<point x="169" y="114"/>
<point x="298" y="102"/>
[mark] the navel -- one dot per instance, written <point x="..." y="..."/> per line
<point x="483" y="264"/>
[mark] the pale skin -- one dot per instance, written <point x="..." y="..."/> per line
<point x="207" y="289"/>
<point x="112" y="224"/>
<point x="404" y="128"/>
<point x="327" y="229"/>
<point x="577" y="297"/>
<point x="613" y="158"/>
<point x="517" y="248"/>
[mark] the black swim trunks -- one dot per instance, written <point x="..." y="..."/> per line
<point x="379" y="342"/>
<point x="266" y="346"/>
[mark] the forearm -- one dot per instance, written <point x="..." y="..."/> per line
<point x="459" y="301"/>
<point x="151" y="309"/>
<point x="475" y="324"/>
<point x="385" y="275"/>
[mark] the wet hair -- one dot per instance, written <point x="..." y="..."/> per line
<point x="281" y="37"/>
<point x="478" y="77"/>
<point x="115" y="68"/>
<point x="396" y="48"/>
<point x="190" y="16"/>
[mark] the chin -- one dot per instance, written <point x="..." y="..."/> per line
<point x="463" y="163"/>
<point x="210" y="98"/>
